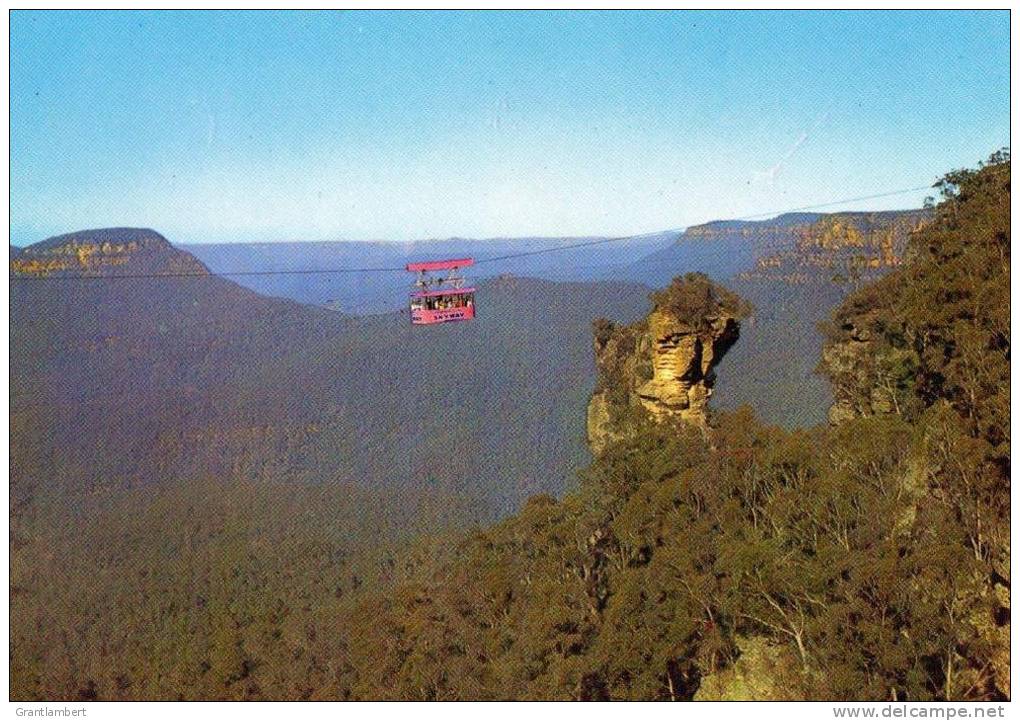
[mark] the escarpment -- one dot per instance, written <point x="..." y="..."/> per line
<point x="662" y="366"/>
<point x="839" y="248"/>
<point x="103" y="252"/>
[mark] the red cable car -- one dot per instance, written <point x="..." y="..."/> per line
<point x="440" y="299"/>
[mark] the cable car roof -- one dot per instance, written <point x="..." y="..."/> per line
<point x="440" y="264"/>
<point x="447" y="291"/>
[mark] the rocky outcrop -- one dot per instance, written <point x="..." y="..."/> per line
<point x="600" y="425"/>
<point x="683" y="355"/>
<point x="868" y="357"/>
<point x="763" y="671"/>
<point x="856" y="388"/>
<point x="662" y="366"/>
<point x="103" y="252"/>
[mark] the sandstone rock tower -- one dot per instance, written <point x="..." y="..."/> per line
<point x="663" y="364"/>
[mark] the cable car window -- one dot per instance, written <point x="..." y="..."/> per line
<point x="440" y="298"/>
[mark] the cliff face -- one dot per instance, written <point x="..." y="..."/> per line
<point x="840" y="248"/>
<point x="663" y="364"/>
<point x="795" y="268"/>
<point x="683" y="356"/>
<point x="103" y="252"/>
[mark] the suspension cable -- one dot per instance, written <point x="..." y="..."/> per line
<point x="400" y="269"/>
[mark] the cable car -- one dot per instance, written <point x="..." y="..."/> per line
<point x="441" y="298"/>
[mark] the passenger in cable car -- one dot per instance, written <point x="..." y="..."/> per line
<point x="441" y="298"/>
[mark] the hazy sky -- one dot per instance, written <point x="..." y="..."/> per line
<point x="320" y="125"/>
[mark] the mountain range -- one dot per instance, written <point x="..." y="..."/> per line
<point x="286" y="499"/>
<point x="122" y="381"/>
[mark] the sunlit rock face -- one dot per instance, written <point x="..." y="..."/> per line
<point x="842" y="248"/>
<point x="103" y="252"/>
<point x="683" y="357"/>
<point x="662" y="366"/>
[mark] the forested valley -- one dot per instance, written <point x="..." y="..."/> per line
<point x="867" y="558"/>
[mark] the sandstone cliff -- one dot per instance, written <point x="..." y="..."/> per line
<point x="662" y="366"/>
<point x="842" y="247"/>
<point x="104" y="252"/>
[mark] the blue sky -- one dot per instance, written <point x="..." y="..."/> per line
<point x="389" y="125"/>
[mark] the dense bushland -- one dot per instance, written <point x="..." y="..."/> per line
<point x="864" y="560"/>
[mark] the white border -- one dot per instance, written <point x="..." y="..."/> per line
<point x="497" y="712"/>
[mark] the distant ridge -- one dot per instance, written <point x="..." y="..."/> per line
<point x="122" y="235"/>
<point x="104" y="252"/>
<point x="196" y="377"/>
